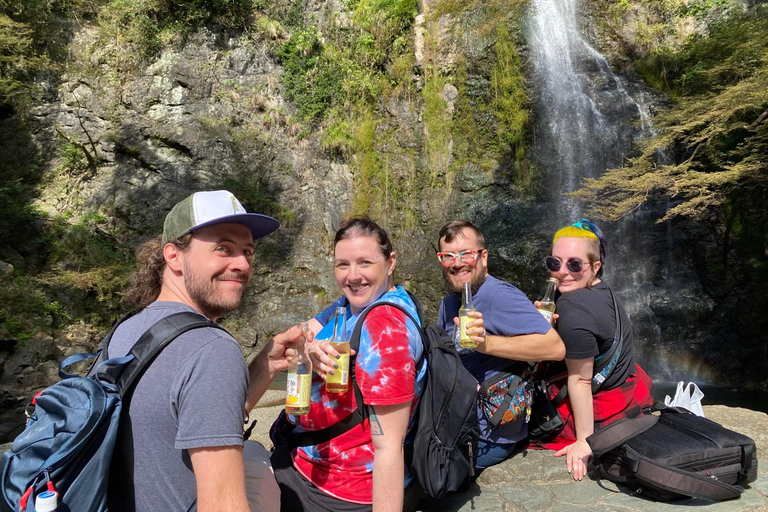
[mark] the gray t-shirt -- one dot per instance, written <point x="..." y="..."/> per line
<point x="193" y="395"/>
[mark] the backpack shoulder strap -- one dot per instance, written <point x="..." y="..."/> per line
<point x="618" y="433"/>
<point x="606" y="358"/>
<point x="358" y="416"/>
<point x="680" y="480"/>
<point x="419" y="310"/>
<point x="149" y="345"/>
<point x="102" y="353"/>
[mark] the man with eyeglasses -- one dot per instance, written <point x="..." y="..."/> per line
<point x="506" y="326"/>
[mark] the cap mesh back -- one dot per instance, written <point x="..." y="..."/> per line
<point x="179" y="220"/>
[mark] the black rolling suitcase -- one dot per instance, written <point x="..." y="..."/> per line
<point x="674" y="455"/>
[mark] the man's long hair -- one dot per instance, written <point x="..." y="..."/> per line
<point x="147" y="281"/>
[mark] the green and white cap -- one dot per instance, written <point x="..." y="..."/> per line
<point x="213" y="207"/>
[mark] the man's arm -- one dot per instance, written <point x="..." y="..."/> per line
<point x="525" y="347"/>
<point x="220" y="478"/>
<point x="276" y="356"/>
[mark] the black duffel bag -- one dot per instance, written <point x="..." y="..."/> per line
<point x="675" y="455"/>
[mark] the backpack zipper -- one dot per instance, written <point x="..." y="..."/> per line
<point x="736" y="459"/>
<point x="471" y="458"/>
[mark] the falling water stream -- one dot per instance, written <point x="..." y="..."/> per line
<point x="587" y="121"/>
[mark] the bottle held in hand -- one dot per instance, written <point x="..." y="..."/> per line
<point x="299" y="387"/>
<point x="466" y="306"/>
<point x="547" y="303"/>
<point x="338" y="382"/>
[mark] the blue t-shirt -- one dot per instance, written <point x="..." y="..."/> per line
<point x="506" y="312"/>
<point x="325" y="315"/>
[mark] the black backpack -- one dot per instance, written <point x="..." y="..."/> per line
<point x="444" y="449"/>
<point x="674" y="455"/>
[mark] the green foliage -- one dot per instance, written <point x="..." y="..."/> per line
<point x="73" y="160"/>
<point x="24" y="305"/>
<point x="148" y="25"/>
<point x="736" y="48"/>
<point x="371" y="180"/>
<point x="32" y="43"/>
<point x="86" y="256"/>
<point x="289" y="13"/>
<point x="438" y="124"/>
<point x="487" y="124"/>
<point x="255" y="194"/>
<point x="509" y="98"/>
<point x="701" y="8"/>
<point x="88" y="270"/>
<point x="313" y="80"/>
<point x="16" y="59"/>
<point x="337" y="75"/>
<point x="716" y="132"/>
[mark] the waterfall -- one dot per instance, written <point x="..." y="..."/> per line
<point x="583" y="108"/>
<point x="586" y="122"/>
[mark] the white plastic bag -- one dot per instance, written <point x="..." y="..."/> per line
<point x="688" y="397"/>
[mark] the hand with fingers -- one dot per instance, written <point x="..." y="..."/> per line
<point x="577" y="457"/>
<point x="555" y="316"/>
<point x="283" y="349"/>
<point x="324" y="357"/>
<point x="475" y="329"/>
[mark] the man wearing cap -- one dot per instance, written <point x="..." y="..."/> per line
<point x="181" y="443"/>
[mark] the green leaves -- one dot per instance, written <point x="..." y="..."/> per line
<point x="715" y="133"/>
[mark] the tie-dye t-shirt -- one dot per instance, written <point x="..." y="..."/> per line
<point x="389" y="370"/>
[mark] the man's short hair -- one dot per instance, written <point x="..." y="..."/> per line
<point x="454" y="228"/>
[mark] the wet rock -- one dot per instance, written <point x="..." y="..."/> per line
<point x="6" y="270"/>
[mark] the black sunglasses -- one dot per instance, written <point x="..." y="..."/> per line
<point x="573" y="264"/>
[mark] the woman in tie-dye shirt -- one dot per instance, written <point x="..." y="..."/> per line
<point x="363" y="468"/>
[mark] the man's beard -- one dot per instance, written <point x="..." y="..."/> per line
<point x="206" y="295"/>
<point x="475" y="283"/>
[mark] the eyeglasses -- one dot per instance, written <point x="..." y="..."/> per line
<point x="575" y="265"/>
<point x="467" y="257"/>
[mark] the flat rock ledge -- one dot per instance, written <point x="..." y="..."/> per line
<point x="535" y="481"/>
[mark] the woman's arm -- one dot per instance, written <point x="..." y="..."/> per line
<point x="580" y="394"/>
<point x="388" y="427"/>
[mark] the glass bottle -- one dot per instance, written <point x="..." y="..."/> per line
<point x="547" y="303"/>
<point x="466" y="306"/>
<point x="338" y="382"/>
<point x="299" y="387"/>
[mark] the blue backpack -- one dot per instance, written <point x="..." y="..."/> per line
<point x="67" y="445"/>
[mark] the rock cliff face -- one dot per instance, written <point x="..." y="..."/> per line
<point x="212" y="113"/>
<point x="447" y="137"/>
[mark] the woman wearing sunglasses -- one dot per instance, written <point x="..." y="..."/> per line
<point x="604" y="382"/>
<point x="361" y="468"/>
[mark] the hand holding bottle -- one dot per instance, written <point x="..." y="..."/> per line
<point x="555" y="316"/>
<point x="325" y="354"/>
<point x="474" y="328"/>
<point x="298" y="387"/>
<point x="546" y="305"/>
